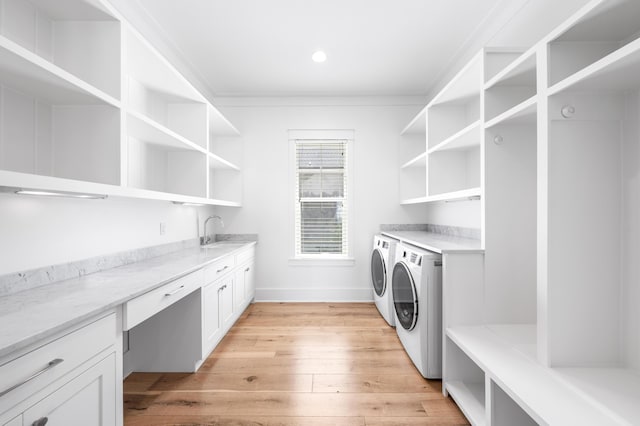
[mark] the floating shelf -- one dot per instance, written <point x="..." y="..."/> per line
<point x="466" y="84"/>
<point x="417" y="200"/>
<point x="418" y="125"/>
<point x="523" y="113"/>
<point x="216" y="162"/>
<point x="466" y="138"/>
<point x="147" y="130"/>
<point x="521" y="72"/>
<point x="470" y="194"/>
<point x="31" y="74"/>
<point x="617" y="71"/>
<point x="219" y="125"/>
<point x="419" y="161"/>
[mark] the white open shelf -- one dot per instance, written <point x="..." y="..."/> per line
<point x="219" y="125"/>
<point x="617" y="71"/>
<point x="599" y="29"/>
<point x="469" y="137"/>
<point x="516" y="84"/>
<point x="145" y="65"/>
<point x="523" y="113"/>
<point x="216" y="162"/>
<point x="418" y="125"/>
<point x="503" y="352"/>
<point x="29" y="73"/>
<point x="145" y="129"/>
<point x="464" y="194"/>
<point x="465" y="85"/>
<point x="63" y="67"/>
<point x="470" y="398"/>
<point x="417" y="200"/>
<point x="50" y="29"/>
<point x="418" y="161"/>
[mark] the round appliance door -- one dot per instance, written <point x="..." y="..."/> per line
<point x="378" y="272"/>
<point x="405" y="296"/>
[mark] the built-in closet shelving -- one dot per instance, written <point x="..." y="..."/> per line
<point x="413" y="157"/>
<point x="89" y="106"/>
<point x="548" y="331"/>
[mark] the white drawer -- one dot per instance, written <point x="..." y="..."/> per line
<point x="149" y="304"/>
<point x="219" y="269"/>
<point x="24" y="376"/>
<point x="245" y="255"/>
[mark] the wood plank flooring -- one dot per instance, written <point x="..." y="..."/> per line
<point x="296" y="364"/>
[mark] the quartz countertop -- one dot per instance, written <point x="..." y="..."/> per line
<point x="31" y="315"/>
<point x="439" y="243"/>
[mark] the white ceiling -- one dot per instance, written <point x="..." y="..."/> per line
<point x="264" y="47"/>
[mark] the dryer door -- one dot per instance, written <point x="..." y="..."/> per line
<point x="378" y="272"/>
<point x="405" y="296"/>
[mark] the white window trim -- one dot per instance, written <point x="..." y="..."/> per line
<point x="320" y="259"/>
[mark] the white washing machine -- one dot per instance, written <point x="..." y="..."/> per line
<point x="382" y="261"/>
<point x="417" y="299"/>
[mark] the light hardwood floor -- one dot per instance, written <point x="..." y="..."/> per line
<point x="303" y="364"/>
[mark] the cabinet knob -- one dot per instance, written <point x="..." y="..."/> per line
<point x="40" y="422"/>
<point x="247" y="270"/>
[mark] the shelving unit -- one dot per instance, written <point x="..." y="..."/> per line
<point x="50" y="29"/>
<point x="225" y="146"/>
<point x="515" y="85"/>
<point x="55" y="124"/>
<point x="599" y="29"/>
<point x="442" y="146"/>
<point x="413" y="160"/>
<point x="549" y="327"/>
<point x="89" y="106"/>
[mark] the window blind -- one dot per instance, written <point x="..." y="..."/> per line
<point x="321" y="191"/>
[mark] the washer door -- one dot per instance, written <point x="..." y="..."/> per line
<point x="378" y="272"/>
<point x="405" y="296"/>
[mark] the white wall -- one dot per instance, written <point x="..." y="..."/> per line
<point x="269" y="193"/>
<point x="41" y="231"/>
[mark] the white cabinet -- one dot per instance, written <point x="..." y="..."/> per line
<point x="16" y="421"/>
<point x="217" y="311"/>
<point x="228" y="292"/>
<point x="211" y="322"/>
<point x="71" y="380"/>
<point x="87" y="400"/>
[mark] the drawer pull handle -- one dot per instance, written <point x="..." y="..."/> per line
<point x="40" y="422"/>
<point x="171" y="293"/>
<point x="220" y="270"/>
<point x="48" y="367"/>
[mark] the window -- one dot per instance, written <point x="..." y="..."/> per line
<point x="321" y="204"/>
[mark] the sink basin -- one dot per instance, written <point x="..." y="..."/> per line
<point x="223" y="244"/>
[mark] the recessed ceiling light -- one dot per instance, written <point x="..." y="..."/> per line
<point x="319" y="56"/>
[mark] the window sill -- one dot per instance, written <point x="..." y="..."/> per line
<point x="318" y="261"/>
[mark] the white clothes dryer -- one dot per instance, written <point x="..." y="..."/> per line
<point x="417" y="299"/>
<point x="382" y="261"/>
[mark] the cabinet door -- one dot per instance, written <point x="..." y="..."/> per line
<point x="249" y="281"/>
<point x="211" y="327"/>
<point x="87" y="400"/>
<point x="17" y="421"/>
<point x="239" y="288"/>
<point x="226" y="301"/>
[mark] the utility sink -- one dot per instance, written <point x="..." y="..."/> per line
<point x="223" y="245"/>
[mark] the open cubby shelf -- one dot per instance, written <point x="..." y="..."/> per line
<point x="544" y="329"/>
<point x="93" y="107"/>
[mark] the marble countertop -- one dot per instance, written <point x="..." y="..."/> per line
<point x="439" y="243"/>
<point x="29" y="316"/>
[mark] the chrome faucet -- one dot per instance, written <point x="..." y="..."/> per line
<point x="205" y="238"/>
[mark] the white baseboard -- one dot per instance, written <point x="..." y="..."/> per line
<point x="314" y="295"/>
